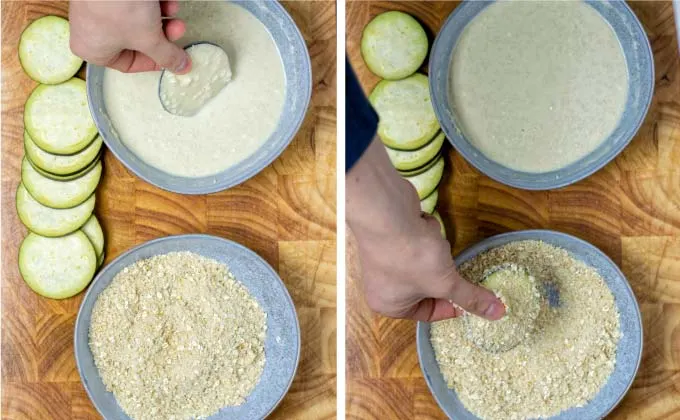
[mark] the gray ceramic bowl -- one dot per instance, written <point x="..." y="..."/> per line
<point x="628" y="352"/>
<point x="297" y="68"/>
<point x="640" y="62"/>
<point x="282" y="345"/>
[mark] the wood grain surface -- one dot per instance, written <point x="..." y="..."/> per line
<point x="286" y="214"/>
<point x="630" y="210"/>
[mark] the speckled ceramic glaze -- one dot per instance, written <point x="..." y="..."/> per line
<point x="628" y="352"/>
<point x="638" y="54"/>
<point x="298" y="73"/>
<point x="282" y="345"/>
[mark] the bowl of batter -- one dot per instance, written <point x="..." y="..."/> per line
<point x="539" y="95"/>
<point x="581" y="358"/>
<point x="239" y="131"/>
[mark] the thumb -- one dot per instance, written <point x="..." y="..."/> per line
<point x="431" y="310"/>
<point x="169" y="55"/>
<point x="473" y="298"/>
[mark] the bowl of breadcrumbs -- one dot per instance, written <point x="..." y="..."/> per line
<point x="578" y="359"/>
<point x="187" y="327"/>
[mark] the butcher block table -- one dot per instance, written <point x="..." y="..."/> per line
<point x="630" y="210"/>
<point x="286" y="214"/>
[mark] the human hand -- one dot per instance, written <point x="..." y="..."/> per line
<point x="129" y="36"/>
<point x="407" y="268"/>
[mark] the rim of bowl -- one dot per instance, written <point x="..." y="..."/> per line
<point x="136" y="167"/>
<point x="468" y="151"/>
<point x="289" y="301"/>
<point x="483" y="246"/>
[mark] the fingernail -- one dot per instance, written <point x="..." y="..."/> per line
<point x="495" y="311"/>
<point x="183" y="65"/>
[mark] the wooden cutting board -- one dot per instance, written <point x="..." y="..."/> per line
<point x="630" y="210"/>
<point x="286" y="214"/>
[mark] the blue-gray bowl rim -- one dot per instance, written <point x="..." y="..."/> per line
<point x="199" y="236"/>
<point x="422" y="328"/>
<point x="211" y="184"/>
<point x="585" y="166"/>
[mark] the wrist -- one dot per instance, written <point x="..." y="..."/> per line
<point x="379" y="202"/>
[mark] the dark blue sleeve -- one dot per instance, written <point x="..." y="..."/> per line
<point x="361" y="121"/>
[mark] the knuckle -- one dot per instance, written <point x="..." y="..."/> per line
<point x="88" y="50"/>
<point x="474" y="303"/>
<point x="174" y="61"/>
<point x="447" y="285"/>
<point x="474" y="306"/>
<point x="170" y="60"/>
<point x="433" y="225"/>
<point x="374" y="303"/>
<point x="150" y="42"/>
<point x="432" y="258"/>
<point x="426" y="252"/>
<point x="77" y="47"/>
<point x="375" y="298"/>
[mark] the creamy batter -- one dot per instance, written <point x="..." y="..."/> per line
<point x="537" y="85"/>
<point x="231" y="126"/>
<point x="186" y="94"/>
